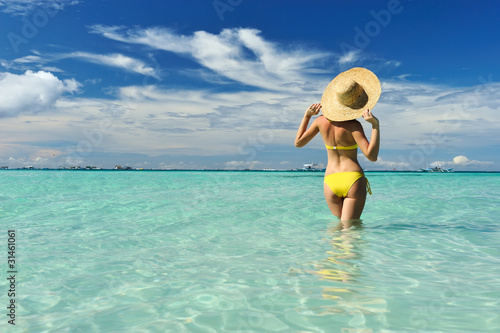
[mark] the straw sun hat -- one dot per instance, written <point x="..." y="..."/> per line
<point x="349" y="94"/>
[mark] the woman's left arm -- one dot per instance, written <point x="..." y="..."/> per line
<point x="304" y="135"/>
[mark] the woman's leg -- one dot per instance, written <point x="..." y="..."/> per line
<point x="355" y="200"/>
<point x="334" y="202"/>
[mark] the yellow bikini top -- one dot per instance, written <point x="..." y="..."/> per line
<point x="354" y="146"/>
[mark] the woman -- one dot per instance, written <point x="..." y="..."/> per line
<point x="351" y="94"/>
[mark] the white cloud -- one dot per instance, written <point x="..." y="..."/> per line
<point x="241" y="54"/>
<point x="462" y="160"/>
<point x="32" y="92"/>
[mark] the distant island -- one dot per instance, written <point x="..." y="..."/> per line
<point x="129" y="168"/>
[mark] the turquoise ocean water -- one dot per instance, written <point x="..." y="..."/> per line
<point x="125" y="251"/>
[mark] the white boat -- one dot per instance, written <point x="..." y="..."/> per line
<point x="435" y="168"/>
<point x="311" y="167"/>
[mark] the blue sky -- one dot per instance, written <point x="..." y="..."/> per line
<point x="224" y="84"/>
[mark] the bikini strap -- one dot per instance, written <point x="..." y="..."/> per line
<point x="354" y="146"/>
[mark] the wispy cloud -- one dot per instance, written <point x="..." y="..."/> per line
<point x="382" y="163"/>
<point x="115" y="60"/>
<point x="349" y="57"/>
<point x="242" y="55"/>
<point x="243" y="165"/>
<point x="23" y="7"/>
<point x="29" y="59"/>
<point x="415" y="114"/>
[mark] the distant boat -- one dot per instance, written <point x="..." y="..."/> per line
<point x="312" y="167"/>
<point x="435" y="168"/>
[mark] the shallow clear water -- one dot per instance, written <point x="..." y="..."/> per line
<point x="103" y="251"/>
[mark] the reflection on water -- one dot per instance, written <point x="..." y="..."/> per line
<point x="343" y="281"/>
<point x="345" y="247"/>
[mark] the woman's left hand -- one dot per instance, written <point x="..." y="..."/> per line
<point x="313" y="109"/>
<point x="369" y="117"/>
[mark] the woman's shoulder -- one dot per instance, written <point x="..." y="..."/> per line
<point x="322" y="121"/>
<point x="357" y="125"/>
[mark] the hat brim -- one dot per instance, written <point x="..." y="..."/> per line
<point x="334" y="110"/>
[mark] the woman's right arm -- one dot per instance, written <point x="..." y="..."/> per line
<point x="305" y="135"/>
<point x="370" y="149"/>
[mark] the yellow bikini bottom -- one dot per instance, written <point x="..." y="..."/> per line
<point x="341" y="182"/>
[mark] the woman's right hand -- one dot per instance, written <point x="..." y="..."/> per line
<point x="313" y="110"/>
<point x="369" y="117"/>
